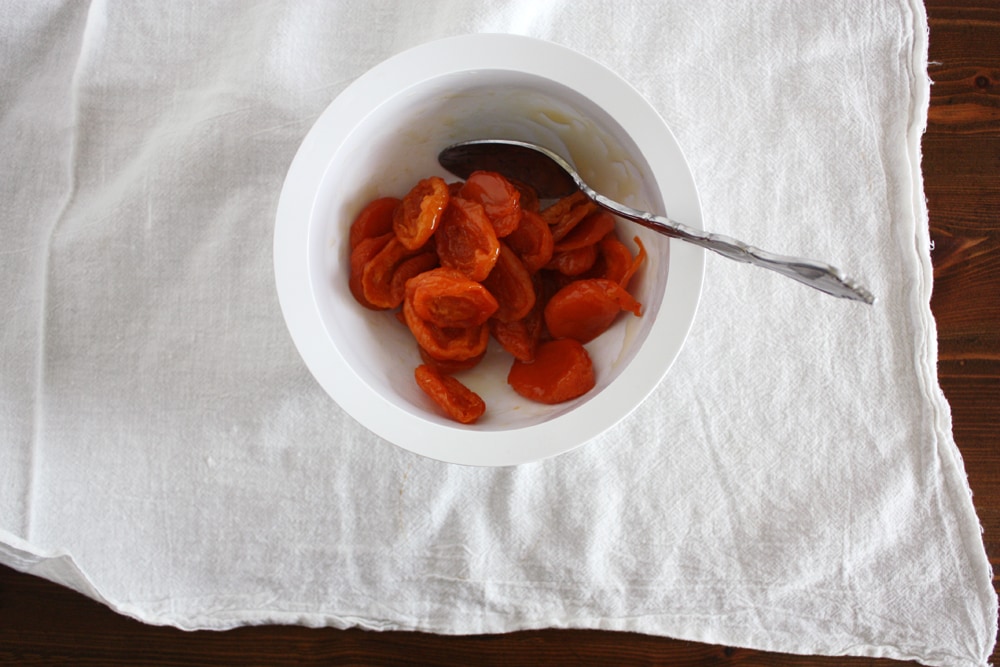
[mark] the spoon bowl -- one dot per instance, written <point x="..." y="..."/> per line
<point x="552" y="177"/>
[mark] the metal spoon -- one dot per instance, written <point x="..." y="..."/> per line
<point x="552" y="177"/>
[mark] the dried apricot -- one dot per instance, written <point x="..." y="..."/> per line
<point x="447" y="298"/>
<point x="377" y="277"/>
<point x="409" y="268"/>
<point x="375" y="219"/>
<point x="458" y="401"/>
<point x="532" y="241"/>
<point x="360" y="256"/>
<point x="446" y="343"/>
<point x="613" y="259"/>
<point x="584" y="309"/>
<point x="449" y="366"/>
<point x="562" y="370"/>
<point x="589" y="231"/>
<point x="519" y="337"/>
<point x="573" y="262"/>
<point x="466" y="240"/>
<point x="562" y="207"/>
<point x="419" y="214"/>
<point x="511" y="284"/>
<point x="567" y="213"/>
<point x="529" y="196"/>
<point x="636" y="263"/>
<point x="500" y="199"/>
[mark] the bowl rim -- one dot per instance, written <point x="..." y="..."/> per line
<point x="296" y="207"/>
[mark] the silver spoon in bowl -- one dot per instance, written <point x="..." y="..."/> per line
<point x="554" y="177"/>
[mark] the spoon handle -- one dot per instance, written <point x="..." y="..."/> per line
<point x="818" y="275"/>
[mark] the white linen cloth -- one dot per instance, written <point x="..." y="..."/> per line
<point x="792" y="485"/>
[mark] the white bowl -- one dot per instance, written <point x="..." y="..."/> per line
<point x="383" y="134"/>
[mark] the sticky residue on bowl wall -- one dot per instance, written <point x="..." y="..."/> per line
<point x="596" y="155"/>
<point x="538" y="117"/>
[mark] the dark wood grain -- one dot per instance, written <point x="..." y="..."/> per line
<point x="961" y="167"/>
<point x="44" y="624"/>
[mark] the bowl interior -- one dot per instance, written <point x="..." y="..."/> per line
<point x="395" y="145"/>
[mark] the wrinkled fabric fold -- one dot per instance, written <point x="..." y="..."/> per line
<point x="793" y="484"/>
<point x="41" y="67"/>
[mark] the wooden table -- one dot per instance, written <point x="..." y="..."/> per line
<point x="42" y="623"/>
